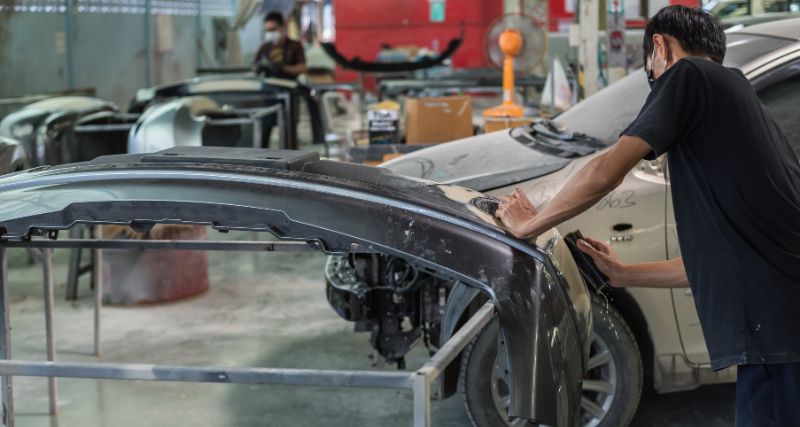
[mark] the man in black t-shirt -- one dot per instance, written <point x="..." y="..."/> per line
<point x="279" y="56"/>
<point x="735" y="183"/>
<point x="283" y="58"/>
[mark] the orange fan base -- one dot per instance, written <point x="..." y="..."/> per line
<point x="510" y="42"/>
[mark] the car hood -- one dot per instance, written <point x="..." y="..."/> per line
<point x="481" y="163"/>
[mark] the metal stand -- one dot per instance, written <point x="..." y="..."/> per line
<point x="419" y="382"/>
<point x="253" y="118"/>
<point x="47" y="269"/>
<point x="5" y="342"/>
<point x="97" y="278"/>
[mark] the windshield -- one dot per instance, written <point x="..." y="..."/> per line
<point x="606" y="114"/>
<point x="499" y="159"/>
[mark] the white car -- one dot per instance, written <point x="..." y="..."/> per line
<point x="649" y="336"/>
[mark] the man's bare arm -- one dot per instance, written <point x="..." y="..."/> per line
<point x="663" y="274"/>
<point x="295" y="69"/>
<point x="601" y="175"/>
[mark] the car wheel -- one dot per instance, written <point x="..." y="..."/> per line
<point x="612" y="385"/>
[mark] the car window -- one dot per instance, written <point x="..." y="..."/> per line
<point x="782" y="99"/>
<point x="593" y="116"/>
<point x="731" y="10"/>
<point x="727" y="9"/>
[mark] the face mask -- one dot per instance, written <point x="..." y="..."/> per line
<point x="271" y="36"/>
<point x="650" y="79"/>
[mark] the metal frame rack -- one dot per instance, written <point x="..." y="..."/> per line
<point x="419" y="381"/>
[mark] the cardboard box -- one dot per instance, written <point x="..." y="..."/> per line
<point x="493" y="124"/>
<point x="437" y="120"/>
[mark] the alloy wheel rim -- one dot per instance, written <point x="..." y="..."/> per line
<point x="599" y="386"/>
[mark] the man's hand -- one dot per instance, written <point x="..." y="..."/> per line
<point x="660" y="274"/>
<point x="604" y="258"/>
<point x="268" y="69"/>
<point x="515" y="211"/>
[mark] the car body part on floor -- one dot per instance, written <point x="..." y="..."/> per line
<point x="339" y="208"/>
<point x="35" y="125"/>
<point x="245" y="92"/>
<point x="12" y="156"/>
<point x="198" y="121"/>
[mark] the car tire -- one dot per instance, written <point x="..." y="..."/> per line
<point x="612" y="385"/>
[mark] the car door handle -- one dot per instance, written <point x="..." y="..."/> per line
<point x="623" y="226"/>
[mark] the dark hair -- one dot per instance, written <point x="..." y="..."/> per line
<point x="275" y="17"/>
<point x="698" y="32"/>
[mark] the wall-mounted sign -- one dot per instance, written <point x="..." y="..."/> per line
<point x="437" y="9"/>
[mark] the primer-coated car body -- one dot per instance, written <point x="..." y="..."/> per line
<point x="37" y="126"/>
<point x="244" y="91"/>
<point x="543" y="305"/>
<point x="636" y="218"/>
<point x="12" y="156"/>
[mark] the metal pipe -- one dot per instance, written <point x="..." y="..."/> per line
<point x="102" y="128"/>
<point x="453" y="347"/>
<point x="147" y="49"/>
<point x="6" y="381"/>
<point x="97" y="277"/>
<point x="261" y="112"/>
<point x="206" y="374"/>
<point x="257" y="137"/>
<point x="70" y="51"/>
<point x="553" y="87"/>
<point x="422" y="397"/>
<point x="47" y="270"/>
<point x="198" y="35"/>
<point x="419" y="381"/>
<point x="191" y="245"/>
<point x="284" y="140"/>
<point x="232" y="121"/>
<point x="424" y="376"/>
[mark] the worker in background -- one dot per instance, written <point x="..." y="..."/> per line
<point x="283" y="58"/>
<point x="279" y="56"/>
<point x="736" y="190"/>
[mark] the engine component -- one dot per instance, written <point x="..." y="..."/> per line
<point x="388" y="297"/>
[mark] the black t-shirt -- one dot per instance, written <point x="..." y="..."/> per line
<point x="290" y="52"/>
<point x="736" y="191"/>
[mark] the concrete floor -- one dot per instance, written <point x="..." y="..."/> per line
<point x="262" y="310"/>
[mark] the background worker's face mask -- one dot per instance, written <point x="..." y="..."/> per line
<point x="272" y="36"/>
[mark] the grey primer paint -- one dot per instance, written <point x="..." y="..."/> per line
<point x="340" y="208"/>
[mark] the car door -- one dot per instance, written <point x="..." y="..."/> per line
<point x="779" y="90"/>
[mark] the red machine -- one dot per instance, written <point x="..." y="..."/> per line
<point x="362" y="27"/>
